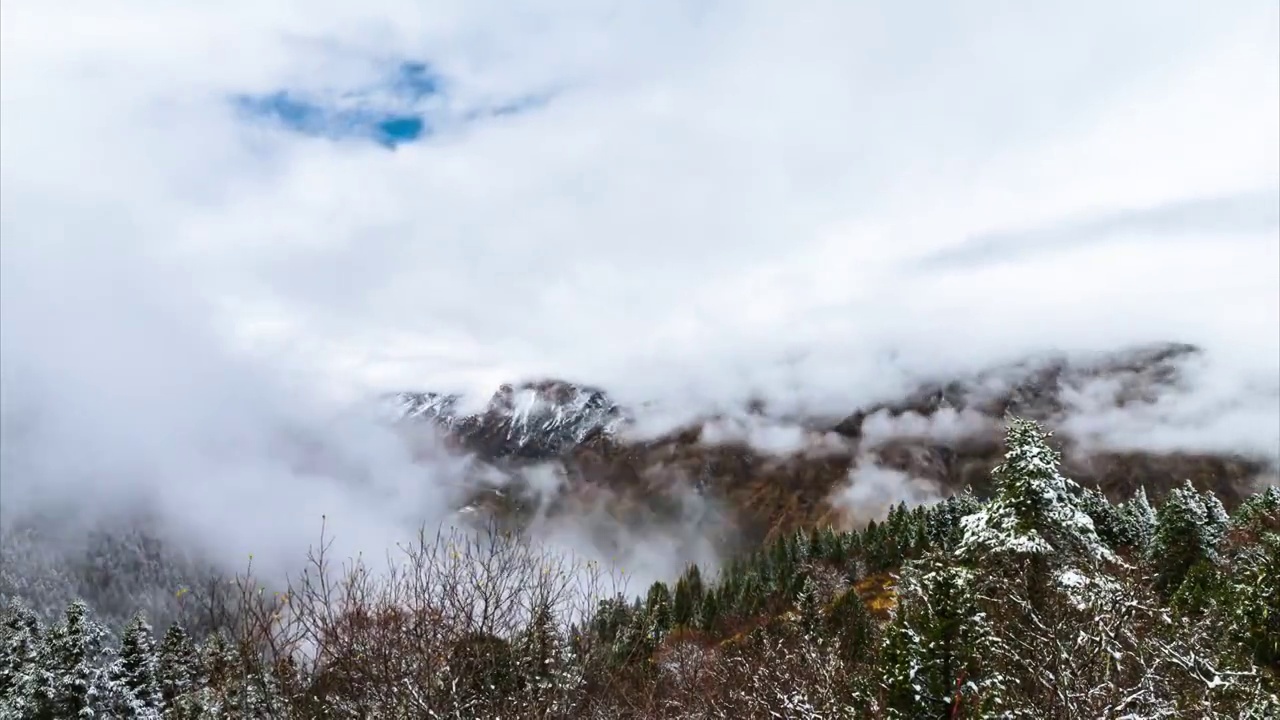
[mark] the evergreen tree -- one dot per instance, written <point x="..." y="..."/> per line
<point x="539" y="650"/>
<point x="1259" y="514"/>
<point x="178" y="666"/>
<point x="1108" y="520"/>
<point x="637" y="640"/>
<point x="1253" y="600"/>
<point x="1138" y="522"/>
<point x="134" y="676"/>
<point x="70" y="681"/>
<point x="1036" y="514"/>
<point x="21" y="644"/>
<point x="658" y="607"/>
<point x="809" y="608"/>
<point x="935" y="641"/>
<point x="1188" y="528"/>
<point x="853" y="628"/>
<point x="709" y="611"/>
<point x="688" y="596"/>
<point x="1201" y="590"/>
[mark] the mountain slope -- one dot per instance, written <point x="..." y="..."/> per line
<point x="768" y="474"/>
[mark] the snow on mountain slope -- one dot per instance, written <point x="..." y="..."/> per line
<point x="779" y="472"/>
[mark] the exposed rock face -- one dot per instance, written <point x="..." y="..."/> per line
<point x="536" y="421"/>
<point x="947" y="436"/>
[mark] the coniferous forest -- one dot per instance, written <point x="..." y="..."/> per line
<point x="1043" y="601"/>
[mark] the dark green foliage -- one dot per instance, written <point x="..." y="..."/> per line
<point x="853" y="628"/>
<point x="688" y="597"/>
<point x="1188" y="528"/>
<point x="1108" y="520"/>
<point x="1137" y="523"/>
<point x="658" y="608"/>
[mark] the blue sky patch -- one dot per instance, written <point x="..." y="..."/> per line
<point x="389" y="113"/>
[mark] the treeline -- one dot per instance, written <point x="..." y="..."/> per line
<point x="1044" y="601"/>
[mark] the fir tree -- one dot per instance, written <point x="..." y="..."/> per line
<point x="134" y="675"/>
<point x="540" y="647"/>
<point x="178" y="667"/>
<point x="1108" y="520"/>
<point x="70" y="683"/>
<point x="1259" y="514"/>
<point x="1188" y="528"/>
<point x="935" y="641"/>
<point x="809" y="608"/>
<point x="709" y="611"/>
<point x="21" y="644"/>
<point x="688" y="596"/>
<point x="1036" y="512"/>
<point x="1138" y="522"/>
<point x="853" y="628"/>
<point x="658" y="607"/>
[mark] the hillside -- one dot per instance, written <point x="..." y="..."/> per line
<point x="1046" y="600"/>
<point x="944" y="437"/>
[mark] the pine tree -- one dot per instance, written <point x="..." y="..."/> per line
<point x="809" y="608"/>
<point x="688" y="596"/>
<point x="134" y="679"/>
<point x="1138" y="522"/>
<point x="538" y="648"/>
<point x="1188" y="528"/>
<point x="1036" y="513"/>
<point x="709" y="611"/>
<point x="21" y="639"/>
<point x="935" y="641"/>
<point x="178" y="667"/>
<point x="853" y="628"/>
<point x="71" y="679"/>
<point x="1253" y="599"/>
<point x="1108" y="520"/>
<point x="658" y="607"/>
<point x="1259" y="513"/>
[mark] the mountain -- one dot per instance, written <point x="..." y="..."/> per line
<point x="945" y="436"/>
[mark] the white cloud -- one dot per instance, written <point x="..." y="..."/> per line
<point x="721" y="201"/>
<point x="874" y="489"/>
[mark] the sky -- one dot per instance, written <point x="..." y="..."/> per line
<point x="223" y="219"/>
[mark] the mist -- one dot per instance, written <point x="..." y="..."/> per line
<point x="708" y="205"/>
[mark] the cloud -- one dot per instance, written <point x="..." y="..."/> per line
<point x="691" y="204"/>
<point x="873" y="490"/>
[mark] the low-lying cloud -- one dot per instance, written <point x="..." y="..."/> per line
<point x="815" y="206"/>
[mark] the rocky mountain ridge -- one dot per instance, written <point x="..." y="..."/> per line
<point x="937" y="440"/>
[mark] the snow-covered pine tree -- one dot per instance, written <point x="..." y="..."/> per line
<point x="70" y="683"/>
<point x="133" y="678"/>
<point x="538" y="650"/>
<point x="1259" y="513"/>
<point x="21" y="638"/>
<point x="1189" y="526"/>
<point x="1138" y="522"/>
<point x="550" y="677"/>
<point x="809" y="609"/>
<point x="178" y="665"/>
<point x="1036" y="518"/>
<point x="935" y="645"/>
<point x="1107" y="519"/>
<point x="658" y="608"/>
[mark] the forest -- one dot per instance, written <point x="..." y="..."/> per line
<point x="1043" y="600"/>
